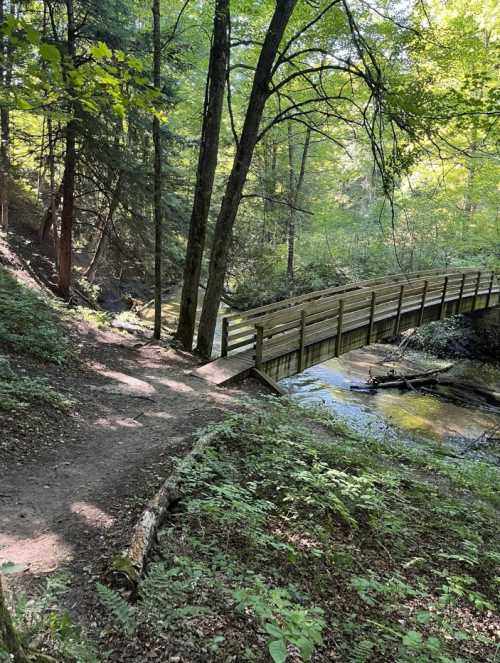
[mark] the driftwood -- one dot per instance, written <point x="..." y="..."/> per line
<point x="394" y="381"/>
<point x="128" y="567"/>
<point x="429" y="382"/>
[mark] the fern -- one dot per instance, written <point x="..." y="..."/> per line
<point x="362" y="651"/>
<point x="123" y="614"/>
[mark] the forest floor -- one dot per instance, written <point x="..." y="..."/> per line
<point x="296" y="539"/>
<point x="75" y="476"/>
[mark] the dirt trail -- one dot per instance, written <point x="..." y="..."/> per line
<point x="76" y="500"/>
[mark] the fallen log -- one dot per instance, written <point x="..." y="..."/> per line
<point x="392" y="375"/>
<point x="431" y="379"/>
<point x="128" y="567"/>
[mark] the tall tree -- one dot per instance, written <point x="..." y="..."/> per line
<point x="234" y="188"/>
<point x="207" y="164"/>
<point x="295" y="184"/>
<point x="5" y="83"/>
<point x="68" y="192"/>
<point x="157" y="177"/>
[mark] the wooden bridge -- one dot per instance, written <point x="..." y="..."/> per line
<point x="284" y="338"/>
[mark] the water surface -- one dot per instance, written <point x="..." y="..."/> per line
<point x="392" y="412"/>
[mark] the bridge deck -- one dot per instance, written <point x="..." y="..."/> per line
<point x="225" y="369"/>
<point x="284" y="338"/>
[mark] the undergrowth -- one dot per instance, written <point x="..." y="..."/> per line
<point x="45" y="630"/>
<point x="19" y="392"/>
<point x="29" y="322"/>
<point x="299" y="541"/>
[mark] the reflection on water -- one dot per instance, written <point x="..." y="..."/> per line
<point x="386" y="413"/>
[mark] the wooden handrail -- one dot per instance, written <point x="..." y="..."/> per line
<point x="335" y="309"/>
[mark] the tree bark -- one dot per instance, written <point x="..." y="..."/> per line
<point x="49" y="218"/>
<point x="8" y="637"/>
<point x="232" y="196"/>
<point x="68" y="207"/>
<point x="103" y="239"/>
<point x="295" y="189"/>
<point x="157" y="170"/>
<point x="207" y="164"/>
<point x="5" y="82"/>
<point x="291" y="211"/>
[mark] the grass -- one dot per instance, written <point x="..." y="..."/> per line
<point x="300" y="541"/>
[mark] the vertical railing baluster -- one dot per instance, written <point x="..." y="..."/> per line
<point x="302" y="339"/>
<point x="422" y="307"/>
<point x="225" y="337"/>
<point x="372" y="315"/>
<point x="443" y="300"/>
<point x="492" y="279"/>
<point x="259" y="345"/>
<point x="461" y="294"/>
<point x="340" y="320"/>
<point x="400" y="306"/>
<point x="478" y="281"/>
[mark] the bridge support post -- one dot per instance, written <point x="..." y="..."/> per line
<point x="372" y="316"/>
<point x="461" y="294"/>
<point x="302" y="339"/>
<point x="492" y="280"/>
<point x="259" y="345"/>
<point x="422" y="307"/>
<point x="338" y="338"/>
<point x="474" y="301"/>
<point x="224" y="339"/>
<point x="443" y="300"/>
<point x="397" y="322"/>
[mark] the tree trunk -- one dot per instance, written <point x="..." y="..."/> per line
<point x="68" y="207"/>
<point x="295" y="189"/>
<point x="291" y="211"/>
<point x="239" y="172"/>
<point x="157" y="169"/>
<point x="8" y="637"/>
<point x="103" y="239"/>
<point x="5" y="82"/>
<point x="207" y="164"/>
<point x="49" y="218"/>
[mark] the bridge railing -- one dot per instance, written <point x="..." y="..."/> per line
<point x="297" y="322"/>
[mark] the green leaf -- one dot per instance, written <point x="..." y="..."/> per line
<point x="274" y="631"/>
<point x="278" y="651"/>
<point x="413" y="640"/>
<point x="32" y="34"/>
<point x="22" y="104"/>
<point x="101" y="51"/>
<point x="49" y="53"/>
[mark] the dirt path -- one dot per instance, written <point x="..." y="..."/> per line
<point x="72" y="496"/>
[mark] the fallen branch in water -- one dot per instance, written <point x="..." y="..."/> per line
<point x="486" y="438"/>
<point x="430" y="382"/>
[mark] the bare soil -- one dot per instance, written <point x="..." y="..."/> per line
<point x="72" y="485"/>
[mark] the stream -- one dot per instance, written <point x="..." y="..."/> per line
<point x="395" y="414"/>
<point x="389" y="413"/>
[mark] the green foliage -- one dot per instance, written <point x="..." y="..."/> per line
<point x="101" y="319"/>
<point x="17" y="393"/>
<point x="28" y="322"/>
<point x="41" y="625"/>
<point x="283" y="620"/>
<point x="326" y="540"/>
<point x="121" y="611"/>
